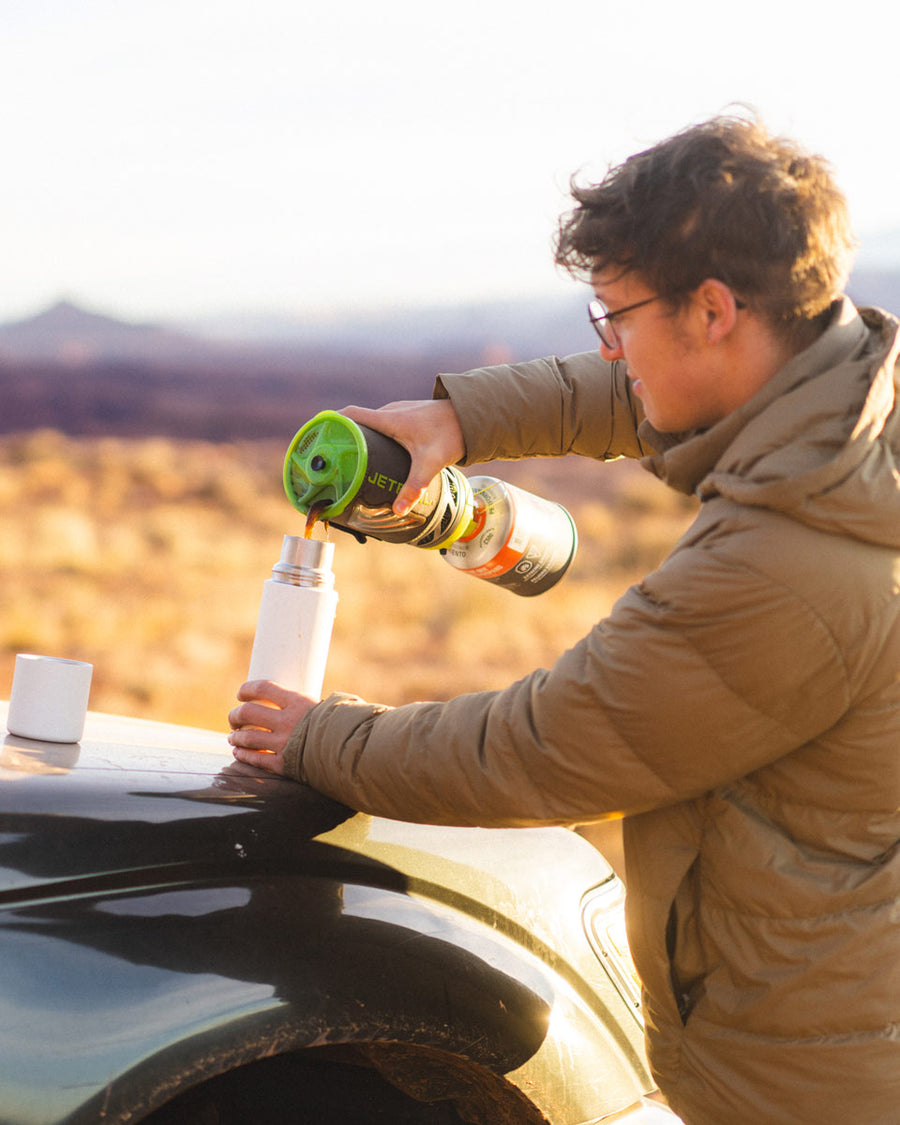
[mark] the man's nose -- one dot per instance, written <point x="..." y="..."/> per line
<point x="610" y="354"/>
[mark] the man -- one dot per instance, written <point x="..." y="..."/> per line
<point x="741" y="706"/>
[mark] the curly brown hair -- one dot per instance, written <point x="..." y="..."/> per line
<point x="722" y="199"/>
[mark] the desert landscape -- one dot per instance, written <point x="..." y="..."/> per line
<point x="146" y="556"/>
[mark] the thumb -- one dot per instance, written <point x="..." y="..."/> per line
<point x="409" y="495"/>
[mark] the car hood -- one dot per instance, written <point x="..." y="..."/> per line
<point x="171" y="801"/>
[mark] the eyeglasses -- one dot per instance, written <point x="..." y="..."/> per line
<point x="602" y="319"/>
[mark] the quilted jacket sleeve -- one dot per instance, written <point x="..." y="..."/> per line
<point x="686" y="685"/>
<point x="546" y="408"/>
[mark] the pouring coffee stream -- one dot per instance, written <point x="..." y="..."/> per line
<point x="313" y="516"/>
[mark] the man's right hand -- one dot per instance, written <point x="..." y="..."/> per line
<point x="429" y="429"/>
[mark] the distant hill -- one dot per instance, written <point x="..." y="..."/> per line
<point x="874" y="286"/>
<point x="82" y="372"/>
<point x="519" y="329"/>
<point x="247" y="397"/>
<point x="76" y="337"/>
<point x="85" y="373"/>
<point x="72" y="335"/>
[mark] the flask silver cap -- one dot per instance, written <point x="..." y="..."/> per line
<point x="304" y="562"/>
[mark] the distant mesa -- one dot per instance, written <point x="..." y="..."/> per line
<point x="84" y="373"/>
<point x="68" y="334"/>
<point x="875" y="286"/>
<point x="476" y="333"/>
<point x="87" y="374"/>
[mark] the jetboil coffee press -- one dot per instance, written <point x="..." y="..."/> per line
<point x="349" y="475"/>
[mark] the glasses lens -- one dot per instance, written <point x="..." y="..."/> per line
<point x="597" y="309"/>
<point x="598" y="312"/>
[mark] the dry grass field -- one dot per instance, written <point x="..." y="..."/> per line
<point x="147" y="558"/>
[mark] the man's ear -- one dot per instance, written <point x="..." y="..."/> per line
<point x="718" y="307"/>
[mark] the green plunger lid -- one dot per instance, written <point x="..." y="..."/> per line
<point x="325" y="461"/>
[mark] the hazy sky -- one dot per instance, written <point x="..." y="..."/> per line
<point x="168" y="158"/>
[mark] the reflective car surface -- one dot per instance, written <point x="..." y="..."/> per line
<point x="185" y="939"/>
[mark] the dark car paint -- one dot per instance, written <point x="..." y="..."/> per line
<point x="168" y="914"/>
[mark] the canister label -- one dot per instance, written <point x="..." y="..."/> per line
<point x="520" y="541"/>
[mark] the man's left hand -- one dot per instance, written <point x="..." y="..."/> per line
<point x="263" y="721"/>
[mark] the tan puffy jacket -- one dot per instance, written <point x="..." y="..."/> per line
<point x="741" y="706"/>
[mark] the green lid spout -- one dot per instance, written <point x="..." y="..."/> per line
<point x="325" y="462"/>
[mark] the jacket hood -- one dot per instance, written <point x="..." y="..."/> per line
<point x="820" y="442"/>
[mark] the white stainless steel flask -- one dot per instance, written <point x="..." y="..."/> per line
<point x="296" y="615"/>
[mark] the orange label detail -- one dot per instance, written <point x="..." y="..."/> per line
<point x="505" y="559"/>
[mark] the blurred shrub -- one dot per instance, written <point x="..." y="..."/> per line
<point x="147" y="557"/>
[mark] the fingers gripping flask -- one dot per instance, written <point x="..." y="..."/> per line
<point x="296" y="615"/>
